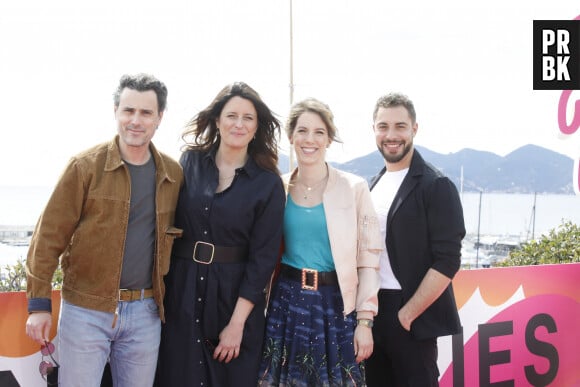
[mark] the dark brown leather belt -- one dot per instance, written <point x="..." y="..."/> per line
<point x="134" y="294"/>
<point x="309" y="278"/>
<point x="389" y="291"/>
<point x="208" y="253"/>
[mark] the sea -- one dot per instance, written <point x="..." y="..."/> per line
<point x="519" y="217"/>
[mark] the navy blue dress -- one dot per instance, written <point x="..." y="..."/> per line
<point x="200" y="298"/>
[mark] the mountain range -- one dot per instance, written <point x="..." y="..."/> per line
<point x="528" y="169"/>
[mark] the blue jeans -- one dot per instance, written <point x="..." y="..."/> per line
<point x="86" y="340"/>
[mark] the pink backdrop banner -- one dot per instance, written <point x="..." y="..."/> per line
<point x="521" y="327"/>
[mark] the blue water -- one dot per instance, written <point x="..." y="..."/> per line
<point x="512" y="214"/>
<point x="501" y="214"/>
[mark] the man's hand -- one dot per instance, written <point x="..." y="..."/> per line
<point x="405" y="320"/>
<point x="38" y="326"/>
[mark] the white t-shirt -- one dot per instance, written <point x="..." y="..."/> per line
<point x="383" y="194"/>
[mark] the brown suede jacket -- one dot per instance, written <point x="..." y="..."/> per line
<point x="84" y="224"/>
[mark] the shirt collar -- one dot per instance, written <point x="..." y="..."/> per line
<point x="250" y="168"/>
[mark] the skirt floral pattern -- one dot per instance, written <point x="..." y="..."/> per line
<point x="308" y="340"/>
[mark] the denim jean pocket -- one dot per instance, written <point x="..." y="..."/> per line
<point x="151" y="306"/>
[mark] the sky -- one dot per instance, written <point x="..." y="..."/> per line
<point x="466" y="65"/>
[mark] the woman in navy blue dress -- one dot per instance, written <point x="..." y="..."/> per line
<point x="230" y="209"/>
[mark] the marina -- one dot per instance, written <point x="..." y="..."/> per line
<point x="488" y="250"/>
<point x="477" y="252"/>
<point x="496" y="223"/>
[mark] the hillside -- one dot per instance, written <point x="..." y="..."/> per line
<point x="527" y="169"/>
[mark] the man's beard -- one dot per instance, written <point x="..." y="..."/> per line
<point x="393" y="159"/>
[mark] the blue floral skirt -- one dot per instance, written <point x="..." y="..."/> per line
<point x="308" y="340"/>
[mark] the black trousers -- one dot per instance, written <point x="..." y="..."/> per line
<point x="398" y="359"/>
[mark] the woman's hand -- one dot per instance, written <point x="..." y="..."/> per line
<point x="363" y="342"/>
<point x="231" y="336"/>
<point x="230" y="341"/>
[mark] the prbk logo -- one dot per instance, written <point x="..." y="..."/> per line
<point x="556" y="49"/>
<point x="556" y="54"/>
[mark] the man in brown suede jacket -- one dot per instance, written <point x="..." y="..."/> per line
<point x="110" y="222"/>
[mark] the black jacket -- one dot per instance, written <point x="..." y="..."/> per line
<point x="425" y="228"/>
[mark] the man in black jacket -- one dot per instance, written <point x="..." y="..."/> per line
<point x="422" y="222"/>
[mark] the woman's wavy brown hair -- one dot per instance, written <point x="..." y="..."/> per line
<point x="201" y="132"/>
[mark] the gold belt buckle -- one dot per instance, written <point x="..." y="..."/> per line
<point x="125" y="291"/>
<point x="195" y="250"/>
<point x="305" y="285"/>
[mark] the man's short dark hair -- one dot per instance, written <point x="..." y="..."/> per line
<point x="143" y="82"/>
<point x="394" y="100"/>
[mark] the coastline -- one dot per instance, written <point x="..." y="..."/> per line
<point x="15" y="240"/>
<point x="10" y="254"/>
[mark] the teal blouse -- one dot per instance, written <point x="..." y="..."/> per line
<point x="306" y="237"/>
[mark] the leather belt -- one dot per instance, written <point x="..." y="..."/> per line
<point x="390" y="291"/>
<point x="134" y="294"/>
<point x="207" y="253"/>
<point x="309" y="278"/>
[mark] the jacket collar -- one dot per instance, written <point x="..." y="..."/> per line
<point x="415" y="168"/>
<point x="114" y="159"/>
<point x="409" y="182"/>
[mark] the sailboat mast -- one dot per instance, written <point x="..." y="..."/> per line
<point x="478" y="229"/>
<point x="534" y="216"/>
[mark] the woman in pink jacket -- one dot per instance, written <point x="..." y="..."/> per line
<point x="322" y="307"/>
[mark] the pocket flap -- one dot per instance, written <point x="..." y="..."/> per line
<point x="174" y="232"/>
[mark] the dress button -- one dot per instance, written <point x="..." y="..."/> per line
<point x="205" y="232"/>
<point x="199" y="299"/>
<point x="207" y="208"/>
<point x="201" y="278"/>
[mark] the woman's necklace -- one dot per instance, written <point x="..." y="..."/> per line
<point x="307" y="190"/>
<point x="224" y="181"/>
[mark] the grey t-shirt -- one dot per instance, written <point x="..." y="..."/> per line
<point x="140" y="239"/>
